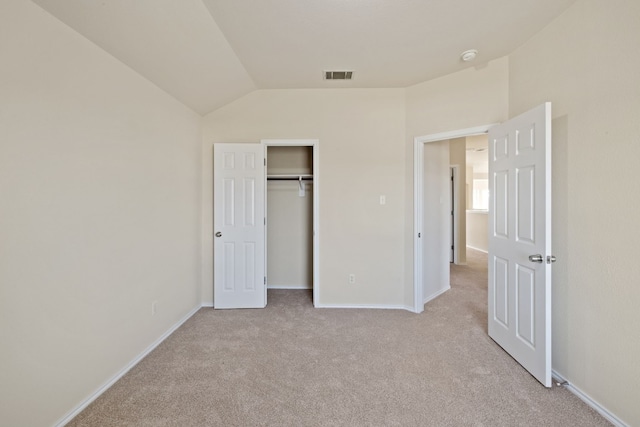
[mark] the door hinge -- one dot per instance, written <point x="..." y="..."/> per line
<point x="419" y="235"/>
<point x="265" y="280"/>
<point x="265" y="161"/>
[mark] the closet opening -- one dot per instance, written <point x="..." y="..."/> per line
<point x="291" y="216"/>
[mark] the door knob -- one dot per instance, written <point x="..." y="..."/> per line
<point x="550" y="259"/>
<point x="536" y="258"/>
<point x="218" y="234"/>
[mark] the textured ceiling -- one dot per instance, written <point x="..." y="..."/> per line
<point x="207" y="53"/>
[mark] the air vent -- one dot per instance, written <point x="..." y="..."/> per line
<point x="338" y="75"/>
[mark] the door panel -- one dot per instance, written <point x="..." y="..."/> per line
<point x="239" y="258"/>
<point x="520" y="226"/>
<point x="501" y="291"/>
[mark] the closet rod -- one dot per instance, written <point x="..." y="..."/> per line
<point x="289" y="177"/>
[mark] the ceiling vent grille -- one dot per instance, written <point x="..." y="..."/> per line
<point x="338" y="75"/>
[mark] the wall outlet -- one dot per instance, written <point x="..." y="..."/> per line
<point x="154" y="307"/>
<point x="352" y="279"/>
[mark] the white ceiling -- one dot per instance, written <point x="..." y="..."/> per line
<point x="207" y="53"/>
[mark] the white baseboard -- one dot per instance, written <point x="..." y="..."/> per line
<point x="477" y="249"/>
<point x="308" y="287"/>
<point x="368" y="306"/>
<point x="67" y="418"/>
<point x="437" y="294"/>
<point x="589" y="401"/>
<point x="207" y="304"/>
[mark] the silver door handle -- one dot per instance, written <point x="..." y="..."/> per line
<point x="536" y="258"/>
<point x="218" y="234"/>
<point x="550" y="259"/>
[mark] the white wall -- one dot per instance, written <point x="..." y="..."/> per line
<point x="289" y="235"/>
<point x="361" y="134"/>
<point x="473" y="97"/>
<point x="361" y="159"/>
<point x="478" y="230"/>
<point x="587" y="63"/>
<point x="436" y="240"/>
<point x="100" y="207"/>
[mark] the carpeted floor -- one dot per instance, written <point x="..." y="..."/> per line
<point x="293" y="365"/>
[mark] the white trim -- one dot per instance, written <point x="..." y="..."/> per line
<point x="207" y="305"/>
<point x="455" y="170"/>
<point x="477" y="130"/>
<point x="437" y="294"/>
<point x="301" y="287"/>
<point x="369" y="306"/>
<point x="315" y="143"/>
<point x="418" y="176"/>
<point x="608" y="415"/>
<point x="418" y="202"/>
<point x="477" y="249"/>
<point x="70" y="415"/>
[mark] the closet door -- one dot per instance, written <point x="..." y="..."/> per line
<point x="239" y="230"/>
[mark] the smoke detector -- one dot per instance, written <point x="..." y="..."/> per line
<point x="469" y="55"/>
<point x="338" y="75"/>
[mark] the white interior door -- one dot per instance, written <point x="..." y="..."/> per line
<point x="239" y="230"/>
<point x="520" y="239"/>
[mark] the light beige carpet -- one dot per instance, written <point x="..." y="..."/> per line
<point x="293" y="365"/>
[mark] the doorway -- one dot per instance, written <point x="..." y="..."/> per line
<point x="292" y="177"/>
<point x="432" y="279"/>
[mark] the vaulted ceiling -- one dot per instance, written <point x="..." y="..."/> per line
<point x="207" y="53"/>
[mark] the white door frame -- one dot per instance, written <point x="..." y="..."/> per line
<point x="418" y="202"/>
<point x="315" y="143"/>
<point x="455" y="195"/>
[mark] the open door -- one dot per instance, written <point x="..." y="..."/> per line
<point x="520" y="239"/>
<point x="239" y="226"/>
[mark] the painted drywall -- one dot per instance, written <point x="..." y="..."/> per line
<point x="361" y="154"/>
<point x="457" y="157"/>
<point x="100" y="205"/>
<point x="362" y="158"/>
<point x="587" y="63"/>
<point x="437" y="219"/>
<point x="473" y="97"/>
<point x="477" y="230"/>
<point x="289" y="235"/>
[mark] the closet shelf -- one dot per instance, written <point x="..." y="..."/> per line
<point x="291" y="177"/>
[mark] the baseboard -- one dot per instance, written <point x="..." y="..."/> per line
<point x="207" y="304"/>
<point x="366" y="306"/>
<point x="306" y="287"/>
<point x="67" y="418"/>
<point x="589" y="401"/>
<point x="477" y="249"/>
<point x="437" y="294"/>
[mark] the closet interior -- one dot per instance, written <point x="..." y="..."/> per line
<point x="289" y="217"/>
